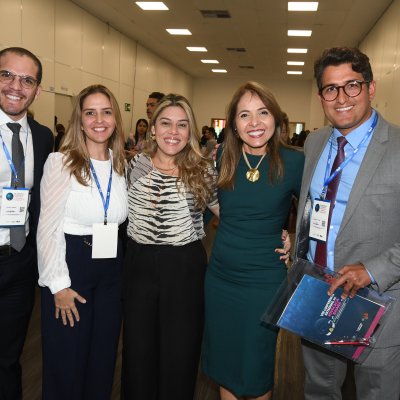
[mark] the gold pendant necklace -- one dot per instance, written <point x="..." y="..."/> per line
<point x="253" y="174"/>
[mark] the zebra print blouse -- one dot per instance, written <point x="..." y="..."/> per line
<point x="161" y="210"/>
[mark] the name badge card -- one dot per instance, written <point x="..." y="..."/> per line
<point x="14" y="206"/>
<point x="105" y="241"/>
<point x="319" y="220"/>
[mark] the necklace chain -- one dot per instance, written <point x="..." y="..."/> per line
<point x="165" y="169"/>
<point x="253" y="174"/>
<point x="172" y="169"/>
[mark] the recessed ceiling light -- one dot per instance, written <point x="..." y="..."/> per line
<point x="219" y="71"/>
<point x="293" y="32"/>
<point x="215" y="13"/>
<point x="295" y="63"/>
<point x="179" y="31"/>
<point x="196" y="48"/>
<point x="300" y="51"/>
<point x="210" y="61"/>
<point x="237" y="49"/>
<point x="294" y="72"/>
<point x="152" y="5"/>
<point x="302" y="5"/>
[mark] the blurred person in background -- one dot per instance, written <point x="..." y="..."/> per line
<point x="152" y="103"/>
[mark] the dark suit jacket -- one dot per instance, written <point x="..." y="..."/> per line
<point x="43" y="142"/>
<point x="370" y="229"/>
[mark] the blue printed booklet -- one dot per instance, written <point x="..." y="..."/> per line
<point x="314" y="315"/>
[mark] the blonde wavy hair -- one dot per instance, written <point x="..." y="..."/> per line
<point x="74" y="143"/>
<point x="232" y="147"/>
<point x="195" y="171"/>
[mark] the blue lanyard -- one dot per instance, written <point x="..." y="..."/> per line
<point x="106" y="201"/>
<point x="328" y="179"/>
<point x="9" y="159"/>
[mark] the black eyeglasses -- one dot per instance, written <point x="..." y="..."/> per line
<point x="27" y="82"/>
<point x="351" y="89"/>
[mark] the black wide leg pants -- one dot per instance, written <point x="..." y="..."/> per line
<point x="163" y="306"/>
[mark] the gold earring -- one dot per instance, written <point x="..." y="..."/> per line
<point x="153" y="136"/>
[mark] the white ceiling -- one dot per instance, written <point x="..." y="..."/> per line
<point x="260" y="26"/>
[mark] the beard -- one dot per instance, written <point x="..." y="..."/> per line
<point x="16" y="109"/>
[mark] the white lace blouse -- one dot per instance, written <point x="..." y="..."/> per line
<point x="69" y="207"/>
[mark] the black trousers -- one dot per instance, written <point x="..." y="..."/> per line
<point x="163" y="304"/>
<point x="79" y="362"/>
<point x="18" y="277"/>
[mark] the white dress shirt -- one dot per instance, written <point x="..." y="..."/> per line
<point x="69" y="207"/>
<point x="5" y="170"/>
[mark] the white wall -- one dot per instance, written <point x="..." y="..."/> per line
<point x="297" y="98"/>
<point x="382" y="45"/>
<point x="153" y="74"/>
<point x="78" y="50"/>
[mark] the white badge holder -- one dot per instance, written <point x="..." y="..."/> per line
<point x="14" y="206"/>
<point x="319" y="220"/>
<point x="105" y="240"/>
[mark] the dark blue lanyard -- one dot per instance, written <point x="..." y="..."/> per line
<point x="9" y="159"/>
<point x="328" y="179"/>
<point x="106" y="201"/>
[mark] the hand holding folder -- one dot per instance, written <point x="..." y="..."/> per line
<point x="343" y="325"/>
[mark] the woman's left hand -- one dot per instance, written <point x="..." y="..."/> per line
<point x="286" y="245"/>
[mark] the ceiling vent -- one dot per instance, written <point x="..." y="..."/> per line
<point x="215" y="13"/>
<point x="237" y="49"/>
<point x="246" y="66"/>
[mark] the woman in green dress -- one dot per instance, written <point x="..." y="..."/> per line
<point x="258" y="175"/>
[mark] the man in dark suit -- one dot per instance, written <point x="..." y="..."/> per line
<point x="20" y="136"/>
<point x="361" y="239"/>
<point x="152" y="103"/>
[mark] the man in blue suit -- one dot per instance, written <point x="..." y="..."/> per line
<point x="27" y="141"/>
<point x="361" y="240"/>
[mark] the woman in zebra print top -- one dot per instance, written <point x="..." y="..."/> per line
<point x="170" y="184"/>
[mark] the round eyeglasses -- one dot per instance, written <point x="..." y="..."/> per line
<point x="26" y="82"/>
<point x="351" y="89"/>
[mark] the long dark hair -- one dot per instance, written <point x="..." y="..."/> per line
<point x="136" y="131"/>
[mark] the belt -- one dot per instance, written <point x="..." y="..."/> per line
<point x="7" y="250"/>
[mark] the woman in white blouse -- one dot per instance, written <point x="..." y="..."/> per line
<point x="84" y="200"/>
<point x="170" y="184"/>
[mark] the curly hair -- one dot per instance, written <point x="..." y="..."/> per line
<point x="74" y="143"/>
<point x="195" y="171"/>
